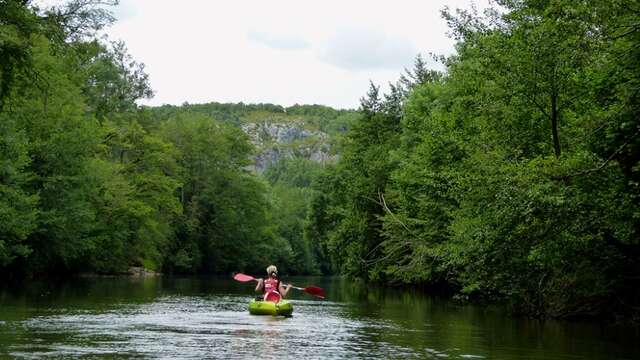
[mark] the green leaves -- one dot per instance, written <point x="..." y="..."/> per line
<point x="225" y="208"/>
<point x="91" y="182"/>
<point x="18" y="210"/>
<point x="513" y="177"/>
<point x="111" y="80"/>
<point x="17" y="24"/>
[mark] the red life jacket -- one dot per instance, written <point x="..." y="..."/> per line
<point x="271" y="284"/>
<point x="271" y="290"/>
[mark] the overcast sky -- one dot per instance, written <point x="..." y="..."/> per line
<point x="278" y="51"/>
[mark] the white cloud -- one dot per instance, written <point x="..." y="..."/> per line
<point x="278" y="41"/>
<point x="284" y="52"/>
<point x="367" y="49"/>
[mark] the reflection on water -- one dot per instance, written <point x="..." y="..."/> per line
<point x="208" y="318"/>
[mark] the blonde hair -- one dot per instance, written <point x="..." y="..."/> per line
<point x="272" y="269"/>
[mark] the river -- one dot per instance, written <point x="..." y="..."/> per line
<point x="207" y="317"/>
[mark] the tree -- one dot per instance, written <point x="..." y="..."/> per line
<point x="17" y="24"/>
<point x="511" y="177"/>
<point x="537" y="50"/>
<point x="224" y="227"/>
<point x="111" y="80"/>
<point x="61" y="142"/>
<point x="18" y="210"/>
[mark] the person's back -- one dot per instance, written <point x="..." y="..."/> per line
<point x="271" y="284"/>
<point x="271" y="288"/>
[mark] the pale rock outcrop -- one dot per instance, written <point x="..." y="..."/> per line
<point x="278" y="140"/>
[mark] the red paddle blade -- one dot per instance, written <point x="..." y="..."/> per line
<point x="315" y="291"/>
<point x="243" y="277"/>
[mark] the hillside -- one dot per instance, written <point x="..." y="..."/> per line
<point x="300" y="131"/>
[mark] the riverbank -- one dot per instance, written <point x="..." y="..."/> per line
<point x="134" y="271"/>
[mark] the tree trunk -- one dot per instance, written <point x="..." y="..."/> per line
<point x="554" y="124"/>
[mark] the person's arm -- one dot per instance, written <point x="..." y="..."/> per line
<point x="284" y="289"/>
<point x="260" y="285"/>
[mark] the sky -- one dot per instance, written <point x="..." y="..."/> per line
<point x="279" y="51"/>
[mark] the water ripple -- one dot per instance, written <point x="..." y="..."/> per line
<point x="207" y="327"/>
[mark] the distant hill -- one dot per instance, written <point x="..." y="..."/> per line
<point x="299" y="131"/>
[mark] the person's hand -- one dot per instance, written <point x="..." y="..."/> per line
<point x="288" y="287"/>
<point x="259" y="285"/>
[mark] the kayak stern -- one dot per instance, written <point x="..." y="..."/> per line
<point x="282" y="308"/>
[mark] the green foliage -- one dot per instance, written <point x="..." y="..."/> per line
<point x="548" y="247"/>
<point x="224" y="227"/>
<point x="17" y="207"/>
<point x="291" y="192"/>
<point x="111" y="80"/>
<point x="137" y="204"/>
<point x="89" y="181"/>
<point x="512" y="177"/>
<point x="61" y="141"/>
<point x="315" y="117"/>
<point x="362" y="174"/>
<point x="298" y="172"/>
<point x="324" y="118"/>
<point x="228" y="113"/>
<point x="17" y="23"/>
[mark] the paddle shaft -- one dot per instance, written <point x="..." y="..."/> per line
<point x="311" y="290"/>
<point x="293" y="287"/>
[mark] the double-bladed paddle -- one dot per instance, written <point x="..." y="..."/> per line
<point x="311" y="290"/>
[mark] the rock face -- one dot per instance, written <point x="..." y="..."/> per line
<point x="278" y="140"/>
<point x="137" y="271"/>
<point x="280" y="133"/>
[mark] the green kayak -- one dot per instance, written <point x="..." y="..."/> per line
<point x="283" y="308"/>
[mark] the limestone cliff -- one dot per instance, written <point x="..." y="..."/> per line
<point x="291" y="139"/>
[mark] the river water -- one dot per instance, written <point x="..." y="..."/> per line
<point x="207" y="317"/>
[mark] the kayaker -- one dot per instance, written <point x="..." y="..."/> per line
<point x="272" y="284"/>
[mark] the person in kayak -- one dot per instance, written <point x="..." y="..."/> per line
<point x="271" y="288"/>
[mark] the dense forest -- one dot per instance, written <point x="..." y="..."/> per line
<point x="511" y="175"/>
<point x="92" y="182"/>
